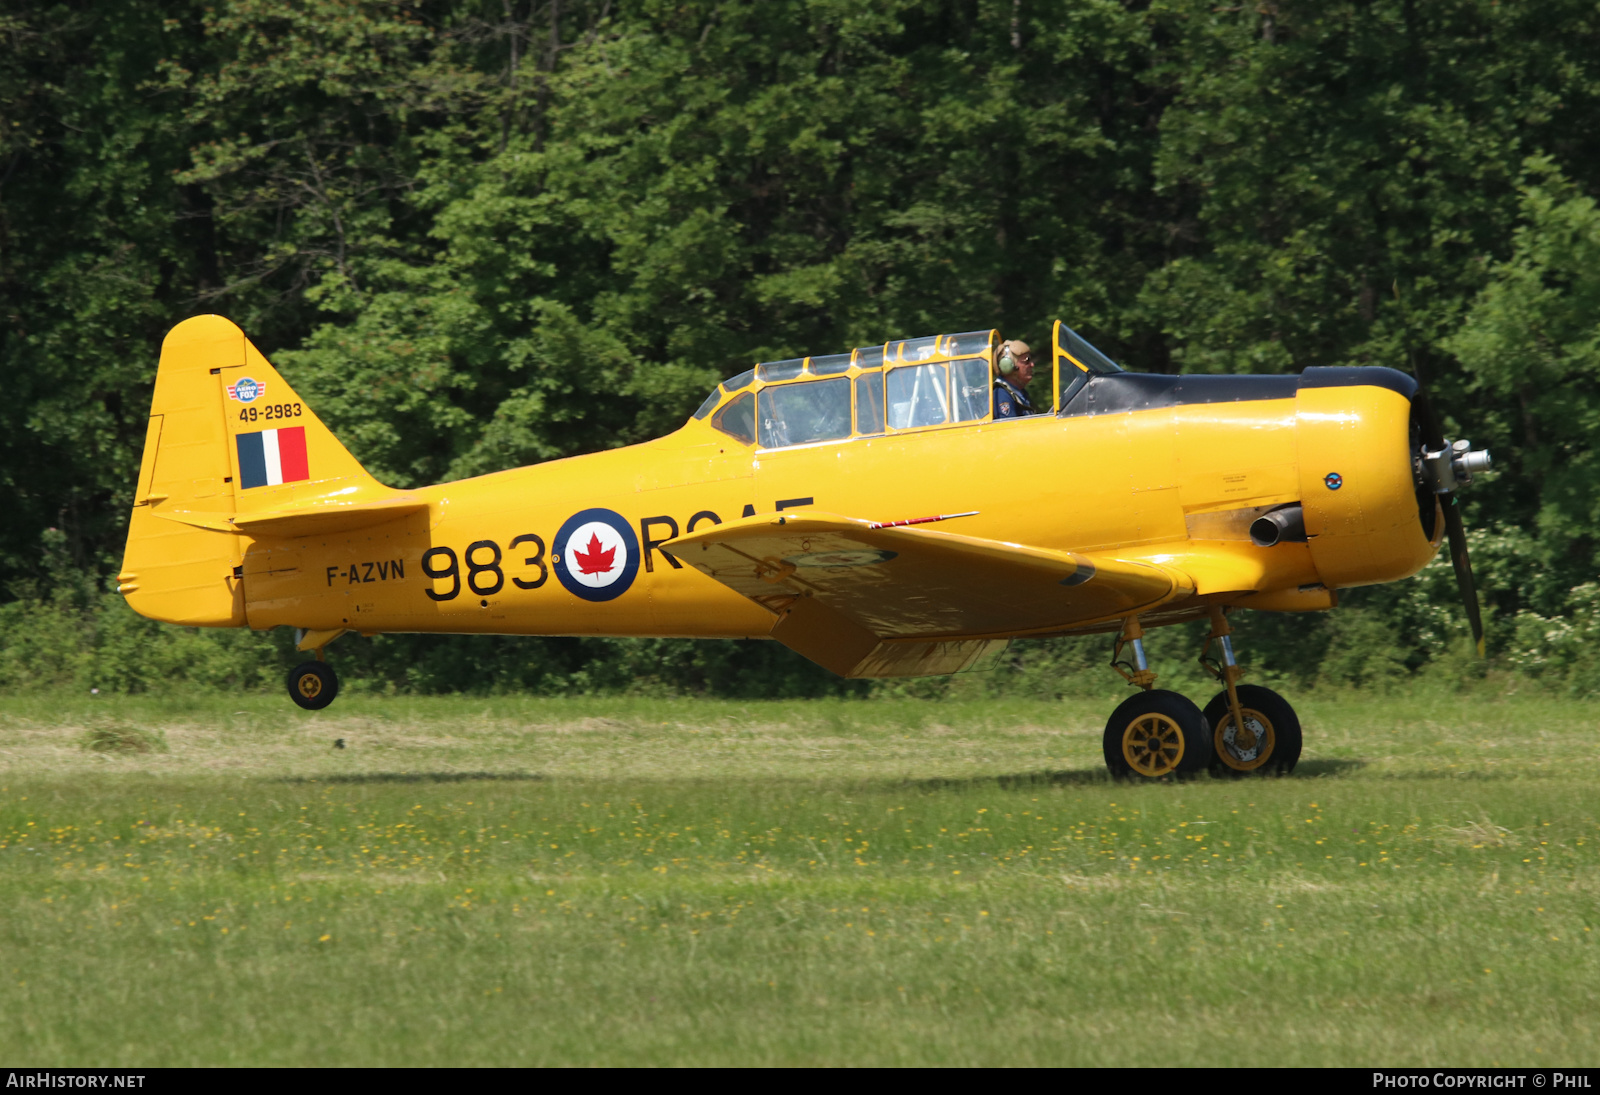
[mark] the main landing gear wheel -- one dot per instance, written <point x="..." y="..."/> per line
<point x="1269" y="741"/>
<point x="313" y="685"/>
<point x="1155" y="734"/>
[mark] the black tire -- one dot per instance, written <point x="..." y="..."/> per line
<point x="1157" y="734"/>
<point x="313" y="685"/>
<point x="1265" y="714"/>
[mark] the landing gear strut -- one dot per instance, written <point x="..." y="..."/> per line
<point x="1253" y="728"/>
<point x="314" y="685"/>
<point x="1156" y="733"/>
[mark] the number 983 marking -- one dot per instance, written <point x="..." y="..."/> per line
<point x="485" y="575"/>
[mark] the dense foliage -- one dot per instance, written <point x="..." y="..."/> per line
<point x="483" y="234"/>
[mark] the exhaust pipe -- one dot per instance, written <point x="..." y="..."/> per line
<point x="1286" y="523"/>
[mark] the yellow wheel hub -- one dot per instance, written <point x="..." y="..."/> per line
<point x="1245" y="748"/>
<point x="310" y="685"/>
<point x="1152" y="745"/>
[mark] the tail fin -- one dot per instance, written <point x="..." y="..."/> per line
<point x="229" y="441"/>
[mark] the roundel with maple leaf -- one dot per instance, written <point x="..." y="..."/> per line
<point x="597" y="555"/>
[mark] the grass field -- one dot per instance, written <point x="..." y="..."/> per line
<point x="518" y="881"/>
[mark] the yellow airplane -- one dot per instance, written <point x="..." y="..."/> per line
<point x="864" y="509"/>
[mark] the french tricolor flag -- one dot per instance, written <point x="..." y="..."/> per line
<point x="271" y="457"/>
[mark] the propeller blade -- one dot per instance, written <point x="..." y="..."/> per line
<point x="1432" y="432"/>
<point x="1458" y="557"/>
<point x="1433" y="436"/>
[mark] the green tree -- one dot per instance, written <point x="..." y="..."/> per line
<point x="482" y="234"/>
<point x="1530" y="345"/>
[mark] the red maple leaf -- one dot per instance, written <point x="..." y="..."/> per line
<point x="596" y="561"/>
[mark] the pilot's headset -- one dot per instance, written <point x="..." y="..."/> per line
<point x="1005" y="362"/>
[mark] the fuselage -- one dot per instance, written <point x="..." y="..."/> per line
<point x="1134" y="466"/>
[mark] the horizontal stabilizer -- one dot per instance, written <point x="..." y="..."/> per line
<point x="313" y="520"/>
<point x="328" y="517"/>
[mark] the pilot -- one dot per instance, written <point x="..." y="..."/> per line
<point x="1013" y="370"/>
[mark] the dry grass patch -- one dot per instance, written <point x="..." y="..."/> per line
<point x="1481" y="833"/>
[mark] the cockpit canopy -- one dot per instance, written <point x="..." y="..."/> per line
<point x="909" y="384"/>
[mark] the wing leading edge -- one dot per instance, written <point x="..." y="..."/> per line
<point x="866" y="601"/>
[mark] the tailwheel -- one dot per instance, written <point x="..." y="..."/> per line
<point x="313" y="685"/>
<point x="1156" y="734"/>
<point x="1269" y="740"/>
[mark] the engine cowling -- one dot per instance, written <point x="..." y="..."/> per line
<point x="1358" y="484"/>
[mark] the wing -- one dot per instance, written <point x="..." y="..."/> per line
<point x="869" y="601"/>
